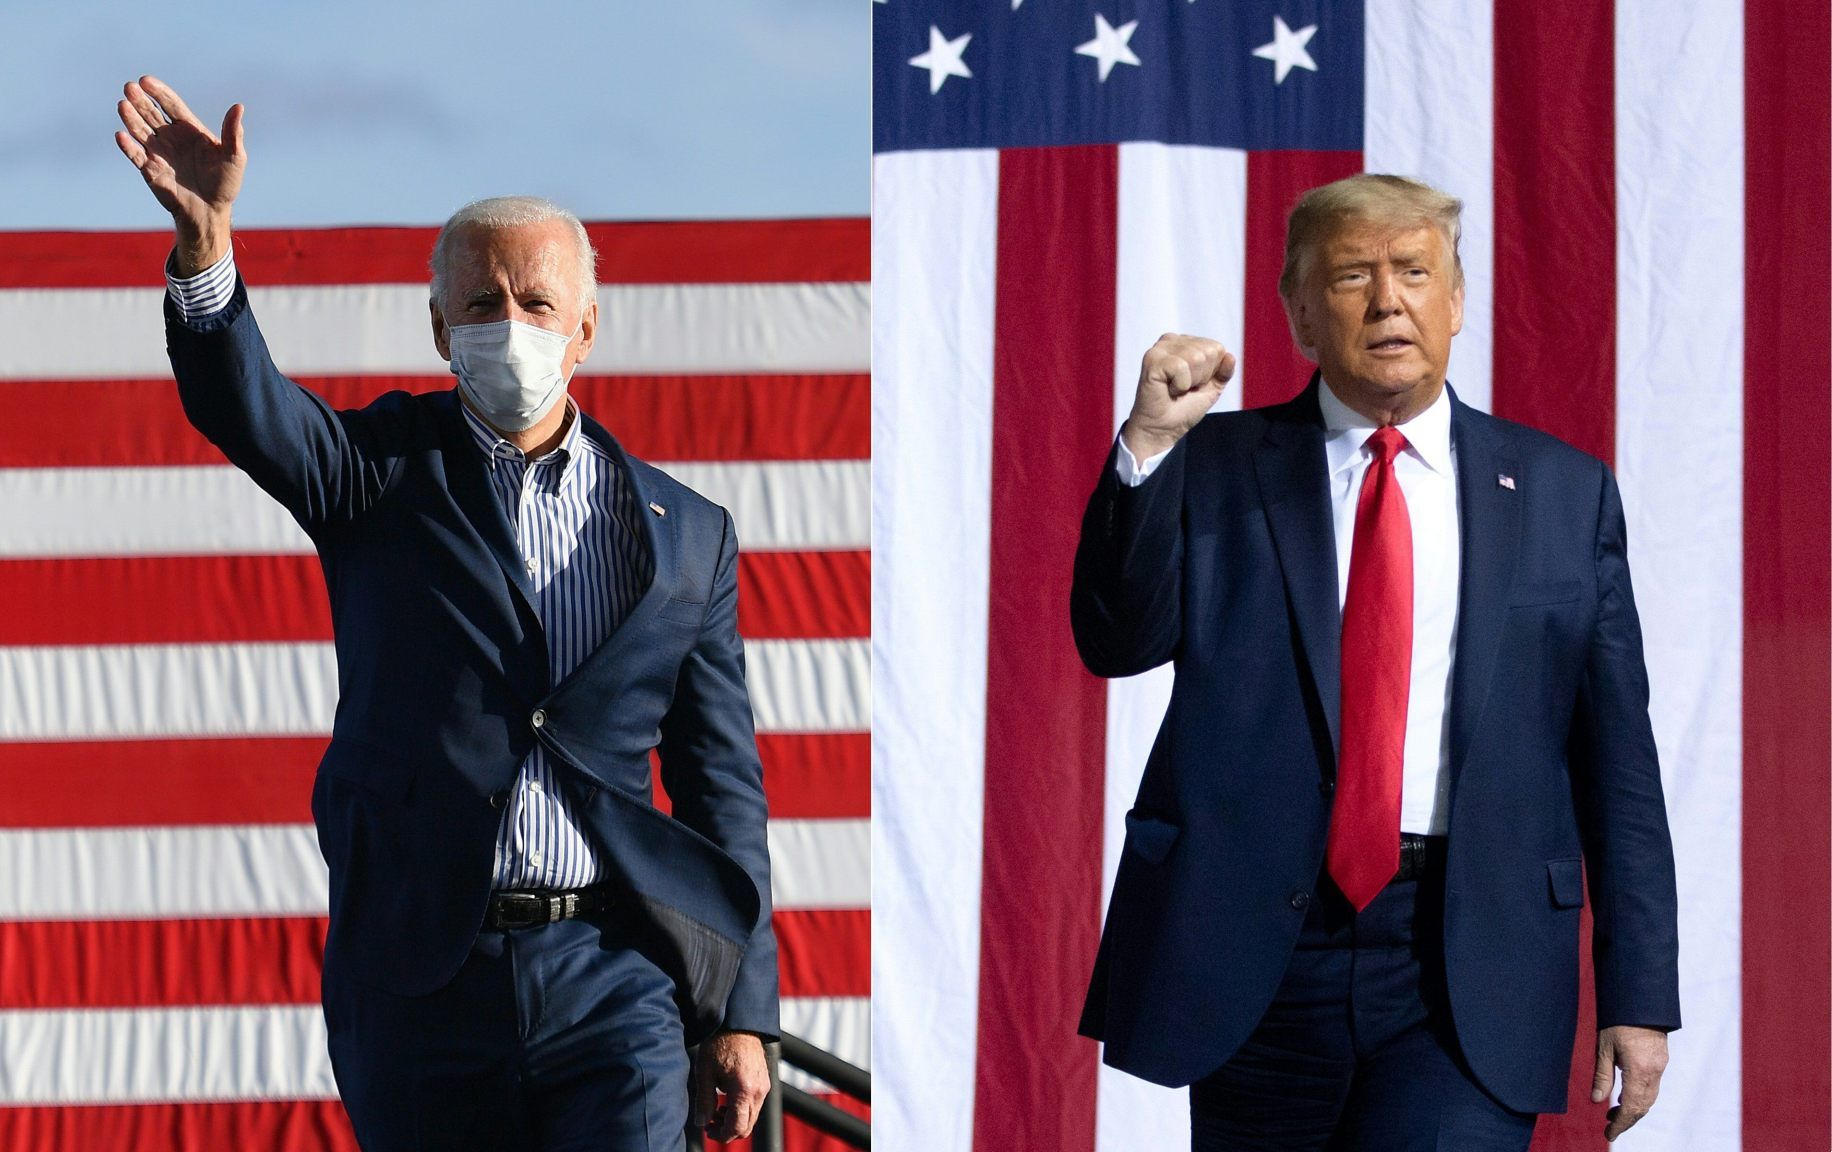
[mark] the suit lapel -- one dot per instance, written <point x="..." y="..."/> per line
<point x="1488" y="514"/>
<point x="1293" y="477"/>
<point x="657" y="532"/>
<point x="467" y="474"/>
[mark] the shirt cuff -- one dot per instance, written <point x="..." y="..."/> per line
<point x="205" y="294"/>
<point x="1131" y="472"/>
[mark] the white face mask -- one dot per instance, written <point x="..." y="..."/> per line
<point x="512" y="372"/>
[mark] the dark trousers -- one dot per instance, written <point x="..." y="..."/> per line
<point x="1356" y="1053"/>
<point x="549" y="1038"/>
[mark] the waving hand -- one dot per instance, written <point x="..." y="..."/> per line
<point x="194" y="174"/>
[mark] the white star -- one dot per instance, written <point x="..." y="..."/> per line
<point x="943" y="59"/>
<point x="1287" y="49"/>
<point x="1109" y="45"/>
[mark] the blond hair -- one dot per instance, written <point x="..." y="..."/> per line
<point x="1369" y="196"/>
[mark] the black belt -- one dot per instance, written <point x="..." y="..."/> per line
<point x="1419" y="855"/>
<point x="527" y="909"/>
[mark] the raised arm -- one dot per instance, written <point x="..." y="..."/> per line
<point x="324" y="466"/>
<point x="1124" y="605"/>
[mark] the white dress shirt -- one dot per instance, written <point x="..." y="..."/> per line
<point x="575" y="522"/>
<point x="1427" y="472"/>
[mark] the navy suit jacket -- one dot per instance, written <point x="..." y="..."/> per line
<point x="1224" y="562"/>
<point x="442" y="668"/>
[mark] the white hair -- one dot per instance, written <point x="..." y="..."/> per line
<point x="511" y="212"/>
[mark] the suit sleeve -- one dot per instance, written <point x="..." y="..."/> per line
<point x="1125" y="603"/>
<point x="714" y="778"/>
<point x="1621" y="808"/>
<point x="317" y="462"/>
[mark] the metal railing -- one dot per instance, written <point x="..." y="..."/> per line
<point x="786" y="1099"/>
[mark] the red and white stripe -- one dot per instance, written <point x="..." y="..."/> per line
<point x="1645" y="246"/>
<point x="167" y="681"/>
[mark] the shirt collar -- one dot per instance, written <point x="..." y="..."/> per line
<point x="496" y="448"/>
<point x="1346" y="431"/>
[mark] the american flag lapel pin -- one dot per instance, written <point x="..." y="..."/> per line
<point x="1505" y="481"/>
<point x="660" y="511"/>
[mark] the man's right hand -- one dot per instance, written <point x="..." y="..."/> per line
<point x="193" y="174"/>
<point x="1179" y="382"/>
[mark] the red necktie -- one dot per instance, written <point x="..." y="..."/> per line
<point x="1376" y="679"/>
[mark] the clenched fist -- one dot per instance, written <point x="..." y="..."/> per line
<point x="1179" y="382"/>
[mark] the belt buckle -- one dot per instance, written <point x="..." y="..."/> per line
<point x="1416" y="855"/>
<point x="566" y="907"/>
<point x="518" y="909"/>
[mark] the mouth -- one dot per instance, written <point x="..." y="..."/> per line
<point x="1392" y="345"/>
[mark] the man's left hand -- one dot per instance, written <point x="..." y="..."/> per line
<point x="731" y="1065"/>
<point x="1641" y="1053"/>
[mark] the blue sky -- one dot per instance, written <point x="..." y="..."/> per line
<point x="397" y="113"/>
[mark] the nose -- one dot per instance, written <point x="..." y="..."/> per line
<point x="1384" y="299"/>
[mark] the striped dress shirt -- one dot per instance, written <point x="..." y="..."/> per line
<point x="574" y="519"/>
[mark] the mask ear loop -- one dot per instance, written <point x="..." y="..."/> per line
<point x="566" y="381"/>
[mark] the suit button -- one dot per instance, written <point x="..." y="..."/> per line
<point x="498" y="799"/>
<point x="539" y="718"/>
<point x="1300" y="900"/>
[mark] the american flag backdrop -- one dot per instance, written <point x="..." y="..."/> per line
<point x="1055" y="183"/>
<point x="167" y="680"/>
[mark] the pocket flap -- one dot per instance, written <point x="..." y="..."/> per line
<point x="1567" y="880"/>
<point x="1544" y="592"/>
<point x="1150" y="837"/>
<point x="684" y="611"/>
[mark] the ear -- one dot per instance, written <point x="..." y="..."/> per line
<point x="1456" y="310"/>
<point x="440" y="340"/>
<point x="1298" y="317"/>
<point x="588" y="332"/>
